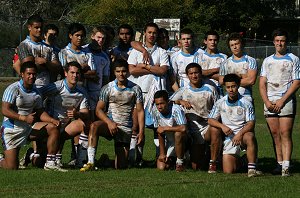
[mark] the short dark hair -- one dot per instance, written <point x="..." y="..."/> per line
<point x="50" y="27"/>
<point x="236" y="36"/>
<point x="72" y="63"/>
<point x="192" y="65"/>
<point x="126" y="26"/>
<point x="280" y="32"/>
<point x="27" y="64"/>
<point x="76" y="27"/>
<point x="187" y="31"/>
<point x="120" y="63"/>
<point x="35" y="19"/>
<point x="151" y="24"/>
<point x="162" y="94"/>
<point x="163" y="31"/>
<point x="232" y="78"/>
<point x="211" y="32"/>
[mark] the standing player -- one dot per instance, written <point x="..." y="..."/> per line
<point x="212" y="59"/>
<point x="279" y="80"/>
<point x="150" y="74"/>
<point x="21" y="105"/>
<point x="238" y="120"/>
<point x="241" y="64"/>
<point x="188" y="54"/>
<point x="68" y="103"/>
<point x="170" y="121"/>
<point x="33" y="49"/>
<point x="197" y="99"/>
<point x="119" y="97"/>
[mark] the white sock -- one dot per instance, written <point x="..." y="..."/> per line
<point x="91" y="154"/>
<point x="285" y="164"/>
<point x="280" y="163"/>
<point x="83" y="140"/>
<point x="179" y="161"/>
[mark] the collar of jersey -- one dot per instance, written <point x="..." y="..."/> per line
<point x="68" y="88"/>
<point x="23" y="88"/>
<point x="243" y="59"/>
<point x="73" y="51"/>
<point x="31" y="41"/>
<point x="121" y="89"/>
<point x="194" y="52"/>
<point x="196" y="89"/>
<point x="236" y="103"/>
<point x="217" y="54"/>
<point x="286" y="56"/>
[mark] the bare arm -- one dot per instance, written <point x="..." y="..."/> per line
<point x="112" y="126"/>
<point x="139" y="47"/>
<point x="141" y="120"/>
<point x="180" y="128"/>
<point x="8" y="112"/>
<point x="215" y="123"/>
<point x="210" y="72"/>
<point x="249" y="79"/>
<point x="263" y="93"/>
<point x="17" y="66"/>
<point x="237" y="139"/>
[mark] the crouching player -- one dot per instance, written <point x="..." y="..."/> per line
<point x="120" y="97"/>
<point x="68" y="103"/>
<point x="238" y="120"/>
<point x="21" y="105"/>
<point x="170" y="121"/>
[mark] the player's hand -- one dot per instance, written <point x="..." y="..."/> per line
<point x="185" y="104"/>
<point x="55" y="122"/>
<point x="71" y="113"/>
<point x="226" y="130"/>
<point x="162" y="158"/>
<point x="160" y="129"/>
<point x="29" y="119"/>
<point x="113" y="128"/>
<point x="140" y="138"/>
<point x="146" y="57"/>
<point x="237" y="140"/>
<point x="270" y="106"/>
<point x="278" y="105"/>
<point x="40" y="61"/>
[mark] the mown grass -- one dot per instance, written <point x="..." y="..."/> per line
<point x="148" y="182"/>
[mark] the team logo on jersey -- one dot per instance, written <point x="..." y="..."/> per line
<point x="229" y="111"/>
<point x="285" y="64"/>
<point x="239" y="111"/>
<point x="219" y="60"/>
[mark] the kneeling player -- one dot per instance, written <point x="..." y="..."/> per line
<point x="21" y="104"/>
<point x="120" y="97"/>
<point x="238" y="120"/>
<point x="170" y="121"/>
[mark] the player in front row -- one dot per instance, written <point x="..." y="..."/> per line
<point x="238" y="120"/>
<point x="21" y="106"/>
<point x="119" y="97"/>
<point x="170" y="121"/>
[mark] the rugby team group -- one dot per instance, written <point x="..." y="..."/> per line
<point x="82" y="92"/>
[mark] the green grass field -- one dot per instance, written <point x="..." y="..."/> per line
<point x="149" y="182"/>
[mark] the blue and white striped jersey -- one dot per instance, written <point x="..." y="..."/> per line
<point x="174" y="118"/>
<point x="24" y="101"/>
<point x="280" y="73"/>
<point x="121" y="101"/>
<point x="239" y="67"/>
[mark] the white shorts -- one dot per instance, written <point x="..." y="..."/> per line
<point x="288" y="109"/>
<point x="230" y="149"/>
<point x="15" y="137"/>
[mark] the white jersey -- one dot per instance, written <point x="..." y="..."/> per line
<point x="118" y="53"/>
<point x="62" y="98"/>
<point x="233" y="115"/>
<point x="239" y="67"/>
<point x="175" y="116"/>
<point x="121" y="101"/>
<point x="67" y="55"/>
<point x="280" y="73"/>
<point x="102" y="65"/>
<point x="159" y="56"/>
<point x="212" y="61"/>
<point x="202" y="100"/>
<point x="180" y="60"/>
<point x="38" y="49"/>
<point x="24" y="101"/>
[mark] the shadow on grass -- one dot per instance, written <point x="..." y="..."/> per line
<point x="268" y="164"/>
